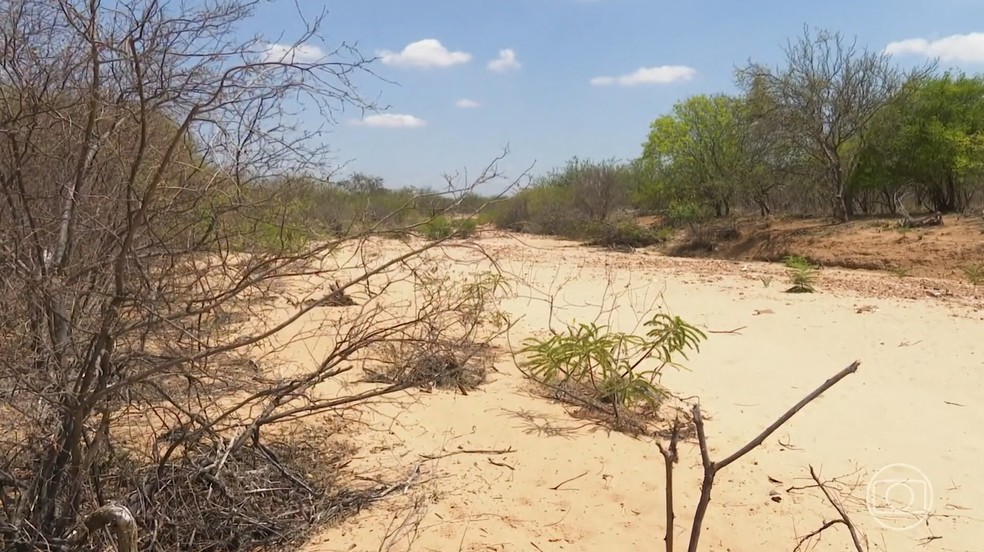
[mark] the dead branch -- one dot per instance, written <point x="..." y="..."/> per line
<point x="670" y="457"/>
<point x="734" y="331"/>
<point x="564" y="482"/>
<point x="468" y="451"/>
<point x="711" y="468"/>
<point x="935" y="219"/>
<point x="843" y="518"/>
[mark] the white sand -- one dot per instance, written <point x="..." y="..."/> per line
<point x="917" y="399"/>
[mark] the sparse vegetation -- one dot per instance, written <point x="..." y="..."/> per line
<point x="901" y="272"/>
<point x="162" y="202"/>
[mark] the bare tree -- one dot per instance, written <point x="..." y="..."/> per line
<point x="141" y="262"/>
<point x="597" y="187"/>
<point x="823" y="101"/>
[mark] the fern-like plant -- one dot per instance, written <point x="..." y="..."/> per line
<point x="607" y="366"/>
<point x="974" y="273"/>
<point x="802" y="274"/>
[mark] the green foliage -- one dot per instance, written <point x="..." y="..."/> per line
<point x="690" y="213"/>
<point x="705" y="153"/>
<point x="820" y="103"/>
<point x="933" y="136"/>
<point x="606" y="366"/>
<point x="974" y="273"/>
<point x="802" y="274"/>
<point x="442" y="228"/>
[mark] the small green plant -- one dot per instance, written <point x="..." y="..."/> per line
<point x="600" y="366"/>
<point x="901" y="272"/>
<point x="802" y="274"/>
<point x="442" y="228"/>
<point x="974" y="273"/>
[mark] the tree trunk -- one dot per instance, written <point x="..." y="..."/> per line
<point x="848" y="196"/>
<point x="842" y="202"/>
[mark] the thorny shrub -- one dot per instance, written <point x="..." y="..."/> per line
<point x="453" y="351"/>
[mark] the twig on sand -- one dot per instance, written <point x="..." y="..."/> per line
<point x="501" y="464"/>
<point x="467" y="451"/>
<point x="736" y="331"/>
<point x="559" y="485"/>
<point x="844" y="519"/>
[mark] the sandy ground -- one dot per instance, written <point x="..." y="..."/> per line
<point x="554" y="482"/>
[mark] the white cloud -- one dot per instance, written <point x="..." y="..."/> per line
<point x="465" y="103"/>
<point x="505" y="62"/>
<point x="288" y="53"/>
<point x="391" y="120"/>
<point x="428" y="52"/>
<point x="959" y="47"/>
<point x="664" y="74"/>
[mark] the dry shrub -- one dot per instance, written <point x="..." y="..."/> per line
<point x="259" y="497"/>
<point x="451" y="350"/>
<point x="443" y="364"/>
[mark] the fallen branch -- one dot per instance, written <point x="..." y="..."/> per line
<point x="501" y="464"/>
<point x="734" y="331"/>
<point x="467" y="451"/>
<point x="936" y="219"/>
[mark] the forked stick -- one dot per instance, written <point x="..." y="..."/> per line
<point x="711" y="468"/>
<point x="844" y="519"/>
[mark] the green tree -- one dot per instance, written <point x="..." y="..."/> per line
<point x="703" y="152"/>
<point x="931" y="139"/>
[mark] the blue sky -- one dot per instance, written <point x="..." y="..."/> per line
<point x="568" y="81"/>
